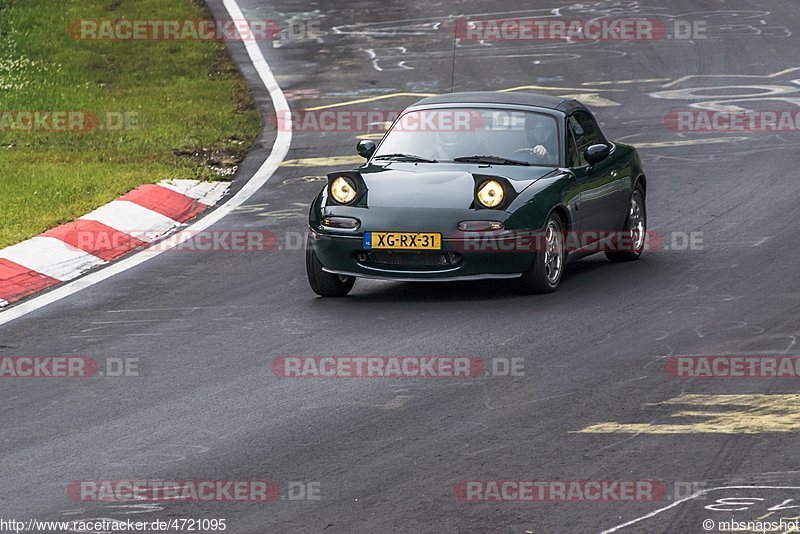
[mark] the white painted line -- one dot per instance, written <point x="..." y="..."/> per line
<point x="208" y="193"/>
<point x="132" y="219"/>
<point x="689" y="498"/>
<point x="3" y="303"/>
<point x="283" y="141"/>
<point x="52" y="257"/>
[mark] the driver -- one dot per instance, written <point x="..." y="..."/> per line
<point x="541" y="135"/>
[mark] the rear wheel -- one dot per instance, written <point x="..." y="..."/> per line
<point x="635" y="231"/>
<point x="545" y="272"/>
<point x="322" y="283"/>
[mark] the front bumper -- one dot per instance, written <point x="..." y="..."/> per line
<point x="459" y="259"/>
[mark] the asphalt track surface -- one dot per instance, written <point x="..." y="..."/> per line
<point x="387" y="453"/>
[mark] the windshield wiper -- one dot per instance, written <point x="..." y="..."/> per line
<point x="492" y="160"/>
<point x="405" y="157"/>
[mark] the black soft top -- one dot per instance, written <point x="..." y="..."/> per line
<point x="496" y="97"/>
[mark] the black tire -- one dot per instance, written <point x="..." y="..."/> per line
<point x="322" y="283"/>
<point x="627" y="249"/>
<point x="539" y="276"/>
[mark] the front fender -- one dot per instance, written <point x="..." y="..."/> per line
<point x="630" y="165"/>
<point x="532" y="207"/>
<point x="315" y="212"/>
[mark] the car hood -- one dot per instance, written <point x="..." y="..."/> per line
<point x="438" y="185"/>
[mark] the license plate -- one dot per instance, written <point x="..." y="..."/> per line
<point x="402" y="240"/>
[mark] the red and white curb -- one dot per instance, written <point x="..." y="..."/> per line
<point x="132" y="221"/>
<point x="280" y="148"/>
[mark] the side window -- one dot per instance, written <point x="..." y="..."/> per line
<point x="585" y="133"/>
<point x="572" y="151"/>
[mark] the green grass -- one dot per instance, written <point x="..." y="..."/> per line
<point x="183" y="94"/>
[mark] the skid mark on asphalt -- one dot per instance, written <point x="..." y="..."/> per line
<point x="97" y="337"/>
<point x="718" y="414"/>
<point x="303" y="179"/>
<point x="182" y="309"/>
<point x="168" y="455"/>
<point x="262" y="210"/>
<point x="616" y="443"/>
<point x="397" y="402"/>
<point x="725" y="327"/>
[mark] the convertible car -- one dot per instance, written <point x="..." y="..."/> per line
<point x="477" y="185"/>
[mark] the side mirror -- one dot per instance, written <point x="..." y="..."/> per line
<point x="596" y="153"/>
<point x="366" y="148"/>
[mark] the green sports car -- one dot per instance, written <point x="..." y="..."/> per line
<point x="478" y="185"/>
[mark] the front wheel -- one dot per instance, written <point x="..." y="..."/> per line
<point x="635" y="230"/>
<point x="322" y="283"/>
<point x="545" y="272"/>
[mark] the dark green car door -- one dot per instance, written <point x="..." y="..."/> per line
<point x="602" y="200"/>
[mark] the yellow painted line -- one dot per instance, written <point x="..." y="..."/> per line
<point x="773" y="75"/>
<point x="424" y="95"/>
<point x="627" y="82"/>
<point x="372" y="136"/>
<point x="687" y="142"/>
<point x="334" y="161"/>
<point x="552" y="88"/>
<point x="580" y="90"/>
<point x="718" y="414"/>
<point x="370" y="99"/>
<point x="331" y="161"/>
<point x="591" y="99"/>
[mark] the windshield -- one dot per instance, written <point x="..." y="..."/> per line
<point x="477" y="135"/>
